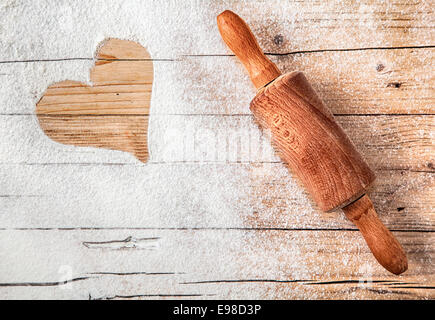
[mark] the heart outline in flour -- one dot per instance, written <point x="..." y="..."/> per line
<point x="112" y="112"/>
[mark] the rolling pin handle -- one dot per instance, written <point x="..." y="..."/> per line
<point x="239" y="38"/>
<point x="384" y="246"/>
<point x="280" y="101"/>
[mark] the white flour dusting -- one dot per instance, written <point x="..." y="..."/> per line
<point x="201" y="172"/>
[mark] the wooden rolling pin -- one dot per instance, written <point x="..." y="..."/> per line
<point x="310" y="141"/>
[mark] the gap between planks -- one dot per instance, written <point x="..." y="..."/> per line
<point x="200" y="229"/>
<point x="226" y="55"/>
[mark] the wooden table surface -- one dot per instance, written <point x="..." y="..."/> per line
<point x="372" y="63"/>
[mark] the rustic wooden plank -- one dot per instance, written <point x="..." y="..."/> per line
<point x="405" y="201"/>
<point x="118" y="87"/>
<point x="350" y="82"/>
<point x="204" y="264"/>
<point x="388" y="142"/>
<point x="400" y="143"/>
<point x="126" y="133"/>
<point x="281" y="26"/>
<point x="148" y="196"/>
<point x="75" y="98"/>
<point x="360" y="82"/>
<point x="370" y="82"/>
<point x="398" y="191"/>
<point x="391" y="47"/>
<point x="285" y="26"/>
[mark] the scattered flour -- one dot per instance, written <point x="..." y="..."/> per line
<point x="203" y="142"/>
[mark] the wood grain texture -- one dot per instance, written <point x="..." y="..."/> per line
<point x="219" y="265"/>
<point x="74" y="113"/>
<point x="304" y="26"/>
<point x="311" y="143"/>
<point x="369" y="61"/>
<point x="309" y="140"/>
<point x="364" y="82"/>
<point x="361" y="82"/>
<point x="239" y="38"/>
<point x="405" y="199"/>
<point x="384" y="246"/>
<point x="387" y="142"/>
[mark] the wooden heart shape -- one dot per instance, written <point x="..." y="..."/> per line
<point x="113" y="113"/>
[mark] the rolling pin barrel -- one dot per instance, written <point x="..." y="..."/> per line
<point x="309" y="140"/>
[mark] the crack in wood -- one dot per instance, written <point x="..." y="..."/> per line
<point x="79" y="59"/>
<point x="388" y="283"/>
<point x="200" y="229"/>
<point x="128" y="243"/>
<point x="414" y="287"/>
<point x="384" y="291"/>
<point x="320" y="51"/>
<point x="312" y="282"/>
<point x="84" y="164"/>
<point x="211" y="114"/>
<point x="42" y="284"/>
<point x="137" y="273"/>
<point x="246" y="280"/>
<point x="349" y="282"/>
<point x="159" y="295"/>
<point x="225" y="55"/>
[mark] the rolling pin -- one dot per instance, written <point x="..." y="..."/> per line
<point x="311" y="143"/>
